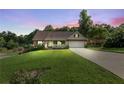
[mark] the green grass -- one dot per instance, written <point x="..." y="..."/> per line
<point x="66" y="67"/>
<point x="116" y="50"/>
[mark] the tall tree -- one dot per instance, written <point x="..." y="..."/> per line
<point x="48" y="28"/>
<point x="85" y="23"/>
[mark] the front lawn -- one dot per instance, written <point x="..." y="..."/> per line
<point x="66" y="67"/>
<point x="116" y="50"/>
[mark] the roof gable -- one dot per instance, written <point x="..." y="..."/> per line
<point x="72" y="37"/>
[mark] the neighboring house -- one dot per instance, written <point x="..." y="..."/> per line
<point x="59" y="39"/>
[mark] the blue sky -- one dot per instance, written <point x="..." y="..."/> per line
<point x="25" y="21"/>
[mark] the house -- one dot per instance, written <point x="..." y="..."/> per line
<point x="59" y="39"/>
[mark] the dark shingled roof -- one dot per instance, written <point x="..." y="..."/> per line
<point x="40" y="35"/>
<point x="55" y="35"/>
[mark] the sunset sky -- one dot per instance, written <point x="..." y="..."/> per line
<point x="25" y="21"/>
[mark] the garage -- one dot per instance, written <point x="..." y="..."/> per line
<point x="76" y="44"/>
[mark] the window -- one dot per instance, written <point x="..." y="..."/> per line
<point x="59" y="43"/>
<point x="55" y="42"/>
<point x="40" y="42"/>
<point x="63" y="42"/>
<point x="50" y="43"/>
<point x="76" y="35"/>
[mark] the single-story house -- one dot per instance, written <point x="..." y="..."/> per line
<point x="59" y="39"/>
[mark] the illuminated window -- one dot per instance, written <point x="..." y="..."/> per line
<point x="59" y="43"/>
<point x="40" y="42"/>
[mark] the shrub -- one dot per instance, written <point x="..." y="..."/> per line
<point x="29" y="48"/>
<point x="2" y="42"/>
<point x="11" y="44"/>
<point x="66" y="47"/>
<point x="38" y="47"/>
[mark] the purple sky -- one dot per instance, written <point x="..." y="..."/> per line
<point x="25" y="21"/>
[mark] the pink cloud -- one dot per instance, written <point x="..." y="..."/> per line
<point x="73" y="23"/>
<point x="69" y="24"/>
<point x="57" y="25"/>
<point x="117" y="21"/>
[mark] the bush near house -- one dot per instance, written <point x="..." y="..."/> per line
<point x="30" y="48"/>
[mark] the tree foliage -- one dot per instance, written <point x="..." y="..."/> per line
<point x="11" y="40"/>
<point x="2" y="42"/>
<point x="85" y="23"/>
<point x="11" y="44"/>
<point x="49" y="28"/>
<point x="116" y="39"/>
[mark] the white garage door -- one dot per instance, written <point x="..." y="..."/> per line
<point x="76" y="44"/>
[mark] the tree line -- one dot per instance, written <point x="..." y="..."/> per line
<point x="10" y="40"/>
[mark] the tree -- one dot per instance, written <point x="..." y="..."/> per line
<point x="28" y="38"/>
<point x="100" y="32"/>
<point x="48" y="28"/>
<point x="2" y="42"/>
<point x="11" y="44"/>
<point x="73" y="29"/>
<point x="21" y="40"/>
<point x="7" y="35"/>
<point x="85" y="23"/>
<point x="97" y="35"/>
<point x="116" y="39"/>
<point x="122" y="25"/>
<point x="64" y="29"/>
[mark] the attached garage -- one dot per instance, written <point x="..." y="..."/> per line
<point x="76" y="44"/>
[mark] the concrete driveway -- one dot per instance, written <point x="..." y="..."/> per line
<point x="113" y="62"/>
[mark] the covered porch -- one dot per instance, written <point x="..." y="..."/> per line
<point x="53" y="44"/>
